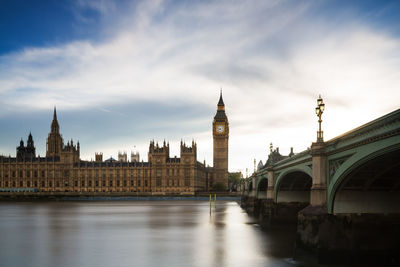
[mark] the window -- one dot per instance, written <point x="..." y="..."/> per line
<point x="111" y="183"/>
<point x="138" y="182"/>
<point x="97" y="183"/>
<point x="124" y="182"/>
<point x="83" y="183"/>
<point x="43" y="185"/>
<point x="117" y="182"/>
<point x="42" y="174"/>
<point x="50" y="184"/>
<point x="28" y="184"/>
<point x="35" y="174"/>
<point x="104" y="183"/>
<point x="6" y="183"/>
<point x="132" y="183"/>
<point x="90" y="182"/>
<point x="35" y="184"/>
<point x="6" y="174"/>
<point x="21" y="184"/>
<point x="13" y="174"/>
<point x="57" y="184"/>
<point x="13" y="183"/>
<point x="20" y="174"/>
<point x="145" y="183"/>
<point x="28" y="174"/>
<point x="76" y="183"/>
<point x="187" y="182"/>
<point x="158" y="181"/>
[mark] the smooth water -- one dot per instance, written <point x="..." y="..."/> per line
<point x="138" y="233"/>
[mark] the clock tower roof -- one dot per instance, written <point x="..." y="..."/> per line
<point x="221" y="101"/>
<point x="221" y="116"/>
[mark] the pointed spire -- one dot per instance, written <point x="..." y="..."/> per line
<point x="55" y="128"/>
<point x="55" y="113"/>
<point x="221" y="101"/>
<point x="30" y="140"/>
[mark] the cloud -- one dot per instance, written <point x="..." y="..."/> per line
<point x="272" y="59"/>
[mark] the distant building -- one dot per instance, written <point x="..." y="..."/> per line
<point x="122" y="157"/>
<point x="62" y="170"/>
<point x="135" y="156"/>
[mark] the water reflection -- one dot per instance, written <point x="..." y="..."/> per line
<point x="169" y="233"/>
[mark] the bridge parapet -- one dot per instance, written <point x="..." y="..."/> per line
<point x="296" y="159"/>
<point x="383" y="127"/>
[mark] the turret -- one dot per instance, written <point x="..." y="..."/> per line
<point x="160" y="154"/>
<point x="188" y="154"/>
<point x="28" y="152"/>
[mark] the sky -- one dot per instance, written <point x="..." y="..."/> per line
<point x="122" y="73"/>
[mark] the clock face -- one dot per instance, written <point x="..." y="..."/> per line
<point x="220" y="128"/>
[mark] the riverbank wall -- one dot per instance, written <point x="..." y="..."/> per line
<point x="101" y="196"/>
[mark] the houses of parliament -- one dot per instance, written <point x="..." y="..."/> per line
<point x="62" y="170"/>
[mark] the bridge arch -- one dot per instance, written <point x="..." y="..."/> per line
<point x="293" y="185"/>
<point x="368" y="181"/>
<point x="262" y="187"/>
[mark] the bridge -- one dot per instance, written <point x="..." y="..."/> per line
<point x="351" y="175"/>
<point x="357" y="172"/>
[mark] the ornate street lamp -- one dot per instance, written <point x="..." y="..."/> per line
<point x="319" y="110"/>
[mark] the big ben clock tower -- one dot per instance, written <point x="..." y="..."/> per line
<point x="220" y="148"/>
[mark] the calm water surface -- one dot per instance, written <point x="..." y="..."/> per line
<point x="138" y="233"/>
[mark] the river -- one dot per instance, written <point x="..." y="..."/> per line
<point x="139" y="233"/>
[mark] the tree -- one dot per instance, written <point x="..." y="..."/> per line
<point x="234" y="177"/>
<point x="218" y="187"/>
<point x="234" y="180"/>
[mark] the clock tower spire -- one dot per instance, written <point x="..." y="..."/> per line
<point x="220" y="145"/>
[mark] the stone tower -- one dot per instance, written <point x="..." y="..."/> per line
<point x="54" y="140"/>
<point x="220" y="144"/>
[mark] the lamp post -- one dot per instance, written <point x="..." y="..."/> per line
<point x="319" y="110"/>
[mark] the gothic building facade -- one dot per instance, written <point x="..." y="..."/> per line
<point x="62" y="170"/>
